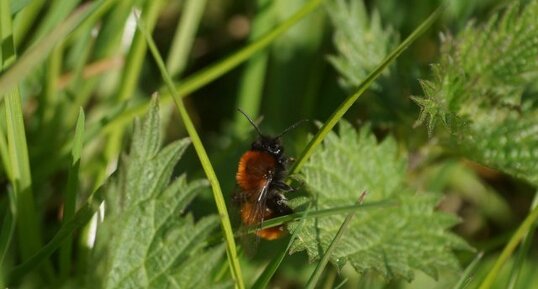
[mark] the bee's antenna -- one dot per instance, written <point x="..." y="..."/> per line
<point x="251" y="122"/>
<point x="292" y="127"/>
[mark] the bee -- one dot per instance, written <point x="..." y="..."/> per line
<point x="260" y="177"/>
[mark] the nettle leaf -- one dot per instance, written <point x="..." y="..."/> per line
<point x="393" y="241"/>
<point x="361" y="41"/>
<point x="511" y="147"/>
<point x="484" y="69"/>
<point x="147" y="240"/>
<point x="482" y="91"/>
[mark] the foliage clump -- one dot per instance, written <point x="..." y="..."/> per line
<point x="482" y="91"/>
<point x="147" y="239"/>
<point x="393" y="240"/>
<point x="361" y="41"/>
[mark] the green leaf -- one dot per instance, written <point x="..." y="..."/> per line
<point x="361" y="41"/>
<point x="392" y="241"/>
<point x="365" y="84"/>
<point x="481" y="91"/>
<point x="231" y="250"/>
<point x="147" y="239"/>
<point x="314" y="278"/>
<point x="511" y="146"/>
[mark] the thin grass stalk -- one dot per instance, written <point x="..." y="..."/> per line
<point x="184" y="37"/>
<point x="81" y="218"/>
<point x="253" y="78"/>
<point x="41" y="49"/>
<point x="25" y="19"/>
<point x="56" y="12"/>
<point x="314" y="278"/>
<point x="320" y="214"/>
<point x="203" y="77"/>
<point x="350" y="100"/>
<point x="469" y="271"/>
<point x="264" y="279"/>
<point x="28" y="229"/>
<point x="523" y="251"/>
<point x="70" y="195"/>
<point x="204" y="160"/>
<point x="8" y="227"/>
<point x="508" y="250"/>
<point x="128" y="85"/>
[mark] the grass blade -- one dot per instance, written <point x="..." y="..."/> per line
<point x="70" y="197"/>
<point x="81" y="218"/>
<point x="25" y="19"/>
<point x="58" y="10"/>
<point x="523" y="229"/>
<point x="207" y="75"/>
<point x="38" y="52"/>
<point x="4" y="153"/>
<point x="204" y="160"/>
<point x="326" y="257"/>
<point x="129" y="82"/>
<point x="271" y="268"/>
<point x="469" y="271"/>
<point x="319" y="214"/>
<point x="344" y="107"/>
<point x="523" y="251"/>
<point x="184" y="37"/>
<point x="50" y="99"/>
<point x="28" y="228"/>
<point x="8" y="228"/>
<point x="341" y="284"/>
<point x="253" y="77"/>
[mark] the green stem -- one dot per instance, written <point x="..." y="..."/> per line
<point x="70" y="196"/>
<point x="350" y="100"/>
<point x="252" y="83"/>
<point x="28" y="229"/>
<point x="129" y="82"/>
<point x="81" y="218"/>
<point x="40" y="50"/>
<point x="313" y="281"/>
<point x="320" y="214"/>
<point x="184" y="37"/>
<point x="203" y="77"/>
<point x="466" y="276"/>
<point x="8" y="227"/>
<point x="25" y="19"/>
<point x="204" y="160"/>
<point x="270" y="270"/>
<point x="523" y="251"/>
<point x="509" y="248"/>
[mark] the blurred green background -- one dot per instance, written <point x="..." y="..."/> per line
<point x="101" y="68"/>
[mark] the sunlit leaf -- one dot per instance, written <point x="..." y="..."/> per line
<point x="148" y="240"/>
<point x="360" y="39"/>
<point x="392" y="241"/>
<point x="481" y="91"/>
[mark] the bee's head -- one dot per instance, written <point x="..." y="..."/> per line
<point x="267" y="144"/>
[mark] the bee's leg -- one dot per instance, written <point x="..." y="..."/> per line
<point x="278" y="204"/>
<point x="283" y="187"/>
<point x="297" y="179"/>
